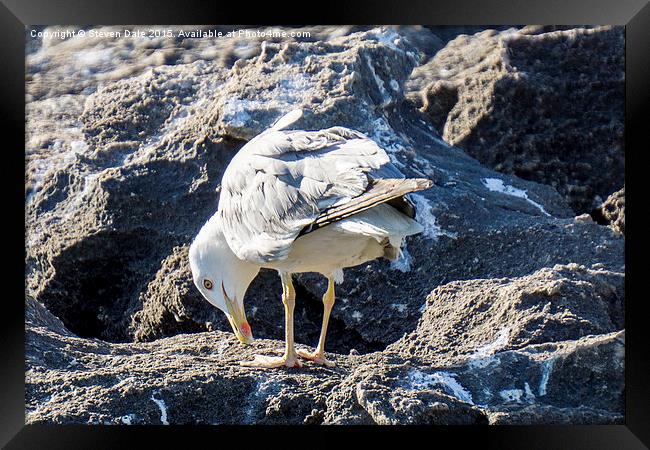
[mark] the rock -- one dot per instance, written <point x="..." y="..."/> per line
<point x="546" y="107"/>
<point x="382" y="303"/>
<point x="583" y="218"/>
<point x="123" y="168"/>
<point x="552" y="415"/>
<point x="475" y="318"/>
<point x="166" y="310"/>
<point x="419" y="77"/>
<point x="496" y="347"/>
<point x="64" y="64"/>
<point x="62" y="72"/>
<point x="187" y="379"/>
<point x="379" y="392"/>
<point x="612" y="211"/>
<point x="560" y="376"/>
<point x="37" y="316"/>
<point x="446" y="33"/>
<point x="196" y="379"/>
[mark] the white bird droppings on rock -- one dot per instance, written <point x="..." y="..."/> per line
<point x="163" y="409"/>
<point x="418" y="380"/>
<point x="78" y="146"/>
<point x="483" y="355"/>
<point x="386" y="99"/>
<point x="425" y="217"/>
<point x="265" y="387"/>
<point x="128" y="419"/>
<point x="497" y="185"/>
<point x="493" y="347"/>
<point x="547" y="368"/>
<point x="529" y="392"/>
<point x="235" y="112"/>
<point x="511" y="395"/>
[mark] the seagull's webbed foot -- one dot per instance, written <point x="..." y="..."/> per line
<point x="318" y="358"/>
<point x="269" y="362"/>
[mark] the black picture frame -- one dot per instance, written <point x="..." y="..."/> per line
<point x="16" y="14"/>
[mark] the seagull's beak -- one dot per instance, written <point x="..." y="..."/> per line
<point x="237" y="318"/>
<point x="240" y="326"/>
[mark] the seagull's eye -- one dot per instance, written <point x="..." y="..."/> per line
<point x="207" y="284"/>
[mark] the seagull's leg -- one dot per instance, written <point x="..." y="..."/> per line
<point x="289" y="300"/>
<point x="290" y="358"/>
<point x="328" y="302"/>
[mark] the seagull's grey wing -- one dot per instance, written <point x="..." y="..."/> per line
<point x="282" y="181"/>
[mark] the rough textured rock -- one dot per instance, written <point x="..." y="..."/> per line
<point x="553" y="304"/>
<point x="381" y="391"/>
<point x="546" y="106"/>
<point x="421" y="76"/>
<point x="186" y="379"/>
<point x="196" y="379"/>
<point x="76" y="64"/>
<point x="61" y="73"/>
<point x="612" y="211"/>
<point x="382" y="303"/>
<point x="125" y="148"/>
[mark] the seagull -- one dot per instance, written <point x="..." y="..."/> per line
<point x="300" y="201"/>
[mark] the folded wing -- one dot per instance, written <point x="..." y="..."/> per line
<point x="284" y="184"/>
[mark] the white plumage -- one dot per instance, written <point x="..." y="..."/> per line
<point x="300" y="201"/>
<point x="349" y="242"/>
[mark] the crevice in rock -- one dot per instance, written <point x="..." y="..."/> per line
<point x="438" y="103"/>
<point x="599" y="218"/>
<point x="340" y="338"/>
<point x="96" y="278"/>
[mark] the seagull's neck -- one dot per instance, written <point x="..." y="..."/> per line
<point x="212" y="234"/>
<point x="213" y="237"/>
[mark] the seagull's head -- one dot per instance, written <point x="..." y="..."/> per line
<point x="221" y="277"/>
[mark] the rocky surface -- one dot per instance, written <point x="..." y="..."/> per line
<point x="196" y="378"/>
<point x="126" y="143"/>
<point x="545" y="106"/>
<point x="547" y="306"/>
